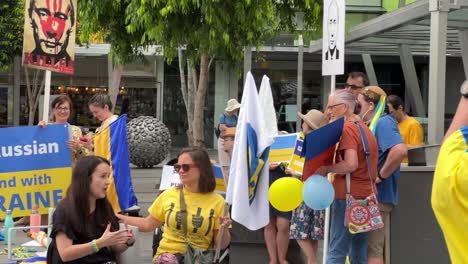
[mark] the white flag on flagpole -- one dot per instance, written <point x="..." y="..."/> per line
<point x="248" y="176"/>
<point x="269" y="112"/>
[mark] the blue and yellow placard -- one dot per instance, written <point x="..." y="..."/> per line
<point x="282" y="148"/>
<point x="297" y="160"/>
<point x="35" y="168"/>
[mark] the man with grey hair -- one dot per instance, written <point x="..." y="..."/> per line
<point x="351" y="159"/>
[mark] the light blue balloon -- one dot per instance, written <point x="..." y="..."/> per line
<point x="318" y="192"/>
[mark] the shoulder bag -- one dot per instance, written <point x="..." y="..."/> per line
<point x="362" y="215"/>
<point x="192" y="255"/>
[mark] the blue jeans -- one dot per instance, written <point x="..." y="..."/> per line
<point x="341" y="240"/>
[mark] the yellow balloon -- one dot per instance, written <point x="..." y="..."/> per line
<point x="285" y="194"/>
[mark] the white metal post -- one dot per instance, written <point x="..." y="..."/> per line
<point x="300" y="63"/>
<point x="45" y="110"/>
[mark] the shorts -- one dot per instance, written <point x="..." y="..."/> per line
<point x="307" y="223"/>
<point x="223" y="157"/>
<point x="377" y="237"/>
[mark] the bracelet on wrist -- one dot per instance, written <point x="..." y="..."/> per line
<point x="94" y="246"/>
<point x="380" y="177"/>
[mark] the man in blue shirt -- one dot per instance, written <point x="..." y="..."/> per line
<point x="392" y="150"/>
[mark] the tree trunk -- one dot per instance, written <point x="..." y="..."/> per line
<point x="117" y="71"/>
<point x="34" y="91"/>
<point x="187" y="95"/>
<point x="199" y="108"/>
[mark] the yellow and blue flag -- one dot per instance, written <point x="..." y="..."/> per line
<point x="248" y="176"/>
<point x="111" y="144"/>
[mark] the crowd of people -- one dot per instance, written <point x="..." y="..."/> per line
<point x="196" y="218"/>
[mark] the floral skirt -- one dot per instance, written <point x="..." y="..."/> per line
<point x="307" y="223"/>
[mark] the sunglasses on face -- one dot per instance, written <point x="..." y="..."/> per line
<point x="185" y="167"/>
<point x="352" y="86"/>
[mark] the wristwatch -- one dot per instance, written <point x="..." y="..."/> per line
<point x="464" y="89"/>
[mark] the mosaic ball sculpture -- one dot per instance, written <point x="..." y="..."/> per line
<point x="149" y="141"/>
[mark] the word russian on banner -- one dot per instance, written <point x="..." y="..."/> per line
<point x="49" y="35"/>
<point x="333" y="47"/>
<point x="35" y="168"/>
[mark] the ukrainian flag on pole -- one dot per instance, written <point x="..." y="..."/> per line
<point x="248" y="176"/>
<point x="111" y="144"/>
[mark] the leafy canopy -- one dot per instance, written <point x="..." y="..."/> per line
<point x="11" y="31"/>
<point x="216" y="28"/>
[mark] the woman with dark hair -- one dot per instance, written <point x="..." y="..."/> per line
<point x="100" y="106"/>
<point x="62" y="107"/>
<point x="193" y="202"/>
<point x="85" y="229"/>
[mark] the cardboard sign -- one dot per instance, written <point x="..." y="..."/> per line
<point x="170" y="178"/>
<point x="297" y="160"/>
<point x="282" y="149"/>
<point x="49" y="35"/>
<point x="333" y="48"/>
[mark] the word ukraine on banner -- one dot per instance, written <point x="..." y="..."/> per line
<point x="35" y="168"/>
<point x="319" y="146"/>
<point x="111" y="144"/>
<point x="170" y="178"/>
<point x="283" y="148"/>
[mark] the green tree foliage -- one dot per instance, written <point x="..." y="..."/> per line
<point x="218" y="28"/>
<point x="195" y="31"/>
<point x="104" y="20"/>
<point x="11" y="31"/>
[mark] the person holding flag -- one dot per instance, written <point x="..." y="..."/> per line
<point x="307" y="225"/>
<point x="249" y="172"/>
<point x="351" y="159"/>
<point x="392" y="150"/>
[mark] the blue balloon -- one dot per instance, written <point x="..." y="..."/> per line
<point x="318" y="192"/>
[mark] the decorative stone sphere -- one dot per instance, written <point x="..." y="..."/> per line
<point x="149" y="141"/>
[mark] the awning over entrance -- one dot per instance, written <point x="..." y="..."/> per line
<point x="434" y="28"/>
<point x="409" y="25"/>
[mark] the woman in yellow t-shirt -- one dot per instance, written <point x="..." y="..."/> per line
<point x="204" y="210"/>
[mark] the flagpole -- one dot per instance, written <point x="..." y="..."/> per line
<point x="45" y="108"/>
<point x="326" y="233"/>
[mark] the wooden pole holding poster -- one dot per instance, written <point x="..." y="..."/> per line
<point x="45" y="108"/>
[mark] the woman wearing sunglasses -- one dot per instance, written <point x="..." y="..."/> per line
<point x="204" y="215"/>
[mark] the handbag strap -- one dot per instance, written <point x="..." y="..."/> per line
<point x="183" y="211"/>
<point x="367" y="153"/>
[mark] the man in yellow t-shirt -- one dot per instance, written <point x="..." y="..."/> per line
<point x="450" y="186"/>
<point x="410" y="129"/>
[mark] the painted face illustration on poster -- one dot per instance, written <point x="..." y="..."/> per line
<point x="49" y="35"/>
<point x="333" y="20"/>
